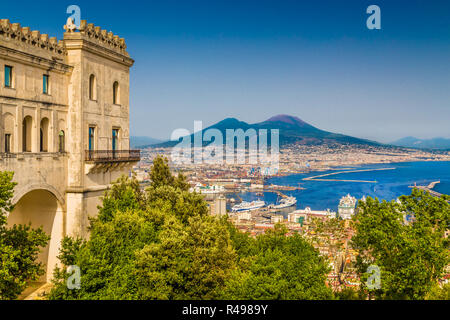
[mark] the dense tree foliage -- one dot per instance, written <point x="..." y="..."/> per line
<point x="411" y="254"/>
<point x="439" y="292"/>
<point x="276" y="266"/>
<point x="19" y="246"/>
<point x="162" y="244"/>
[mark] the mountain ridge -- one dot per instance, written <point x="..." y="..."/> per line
<point x="438" y="143"/>
<point x="292" y="130"/>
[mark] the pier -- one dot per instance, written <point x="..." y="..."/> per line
<point x="318" y="178"/>
<point x="429" y="188"/>
<point x="277" y="192"/>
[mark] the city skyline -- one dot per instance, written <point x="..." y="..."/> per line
<point x="210" y="60"/>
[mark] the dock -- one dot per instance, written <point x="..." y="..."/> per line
<point x="429" y="188"/>
<point x="318" y="178"/>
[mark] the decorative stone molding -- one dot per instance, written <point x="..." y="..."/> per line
<point x="100" y="36"/>
<point x="34" y="38"/>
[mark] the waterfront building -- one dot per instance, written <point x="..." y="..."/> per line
<point x="210" y="189"/>
<point x="64" y="125"/>
<point x="244" y="215"/>
<point x="275" y="218"/>
<point x="303" y="215"/>
<point x="217" y="205"/>
<point x="346" y="208"/>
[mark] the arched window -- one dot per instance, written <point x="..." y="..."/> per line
<point x="26" y="133"/>
<point x="92" y="88"/>
<point x="43" y="141"/>
<point x="116" y="93"/>
<point x="61" y="142"/>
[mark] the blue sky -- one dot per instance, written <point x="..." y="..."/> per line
<point x="208" y="60"/>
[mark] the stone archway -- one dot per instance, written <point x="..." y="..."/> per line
<point x="41" y="208"/>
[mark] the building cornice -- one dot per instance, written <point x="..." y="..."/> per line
<point x="55" y="64"/>
<point x="98" y="41"/>
<point x="11" y="100"/>
<point x="14" y="32"/>
<point x="78" y="42"/>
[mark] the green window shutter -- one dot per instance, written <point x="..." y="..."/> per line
<point x="45" y="84"/>
<point x="8" y="76"/>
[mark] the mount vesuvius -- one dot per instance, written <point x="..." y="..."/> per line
<point x="292" y="130"/>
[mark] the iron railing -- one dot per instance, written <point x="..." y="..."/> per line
<point x="112" y="155"/>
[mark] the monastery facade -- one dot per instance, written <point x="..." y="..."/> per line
<point x="64" y="125"/>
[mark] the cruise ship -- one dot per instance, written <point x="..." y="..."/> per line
<point x="248" y="206"/>
<point x="284" y="203"/>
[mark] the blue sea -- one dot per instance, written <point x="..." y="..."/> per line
<point x="390" y="184"/>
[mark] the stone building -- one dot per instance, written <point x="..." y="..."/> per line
<point x="64" y="125"/>
<point x="346" y="208"/>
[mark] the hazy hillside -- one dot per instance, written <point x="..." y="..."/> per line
<point x="142" y="141"/>
<point x="412" y="142"/>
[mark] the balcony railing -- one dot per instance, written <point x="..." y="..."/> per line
<point x="112" y="155"/>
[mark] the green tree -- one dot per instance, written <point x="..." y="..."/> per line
<point x="157" y="244"/>
<point x="124" y="194"/>
<point x="19" y="246"/>
<point x="189" y="262"/>
<point x="160" y="175"/>
<point x="411" y="255"/>
<point x="439" y="292"/>
<point x="162" y="244"/>
<point x="280" y="267"/>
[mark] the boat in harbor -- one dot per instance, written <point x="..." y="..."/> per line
<point x="284" y="203"/>
<point x="248" y="206"/>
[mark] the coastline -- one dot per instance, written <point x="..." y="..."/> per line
<point x="350" y="167"/>
<point x="390" y="183"/>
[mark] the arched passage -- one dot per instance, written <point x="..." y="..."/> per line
<point x="42" y="209"/>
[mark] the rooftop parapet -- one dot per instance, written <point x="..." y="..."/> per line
<point x="13" y="31"/>
<point x="99" y="36"/>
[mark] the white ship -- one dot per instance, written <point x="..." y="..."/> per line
<point x="248" y="206"/>
<point x="284" y="203"/>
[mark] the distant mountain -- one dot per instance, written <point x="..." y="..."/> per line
<point x="292" y="131"/>
<point x="412" y="142"/>
<point x="136" y="142"/>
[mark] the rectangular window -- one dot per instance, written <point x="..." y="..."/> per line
<point x="45" y="84"/>
<point x="7" y="143"/>
<point x="115" y="135"/>
<point x="91" y="138"/>
<point x="8" y="76"/>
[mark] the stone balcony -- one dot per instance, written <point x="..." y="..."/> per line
<point x="107" y="160"/>
<point x="105" y="156"/>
